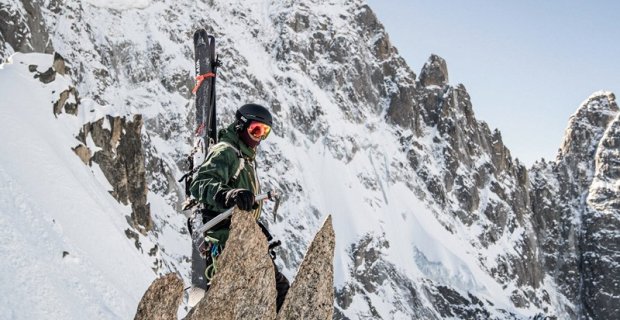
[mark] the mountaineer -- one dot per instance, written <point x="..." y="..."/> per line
<point x="228" y="178"/>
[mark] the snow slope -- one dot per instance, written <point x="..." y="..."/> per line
<point x="63" y="253"/>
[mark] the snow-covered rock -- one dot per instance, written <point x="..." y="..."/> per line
<point x="574" y="214"/>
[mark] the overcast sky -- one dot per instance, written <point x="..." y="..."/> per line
<point x="526" y="64"/>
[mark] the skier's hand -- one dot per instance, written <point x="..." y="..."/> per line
<point x="243" y="198"/>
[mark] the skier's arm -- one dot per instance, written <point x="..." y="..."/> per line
<point x="213" y="177"/>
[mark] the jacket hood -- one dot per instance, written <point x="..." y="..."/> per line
<point x="230" y="135"/>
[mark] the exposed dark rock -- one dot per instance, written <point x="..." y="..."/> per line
<point x="23" y="28"/>
<point x="452" y="305"/>
<point x="69" y="107"/>
<point x="162" y="299"/>
<point x="49" y="75"/>
<point x="84" y="153"/>
<point x="403" y="109"/>
<point x="383" y="49"/>
<point x="122" y="161"/>
<point x="132" y="235"/>
<point x="46" y="77"/>
<point x="434" y="72"/>
<point x="59" y="64"/>
<point x="300" y="22"/>
<point x="130" y="149"/>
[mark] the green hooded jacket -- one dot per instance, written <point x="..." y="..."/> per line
<point x="217" y="173"/>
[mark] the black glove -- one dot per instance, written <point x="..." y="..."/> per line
<point x="243" y="198"/>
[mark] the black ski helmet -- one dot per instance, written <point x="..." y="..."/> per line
<point x="251" y="111"/>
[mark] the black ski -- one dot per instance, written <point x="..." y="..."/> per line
<point x="206" y="64"/>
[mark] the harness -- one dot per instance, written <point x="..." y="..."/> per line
<point x="212" y="252"/>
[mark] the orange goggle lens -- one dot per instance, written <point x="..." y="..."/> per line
<point x="259" y="130"/>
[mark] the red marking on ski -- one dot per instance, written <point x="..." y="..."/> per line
<point x="201" y="78"/>
<point x="200" y="129"/>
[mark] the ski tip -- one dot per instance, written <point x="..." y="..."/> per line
<point x="200" y="33"/>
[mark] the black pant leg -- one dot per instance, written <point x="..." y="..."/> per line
<point x="199" y="264"/>
<point x="198" y="269"/>
<point x="282" y="286"/>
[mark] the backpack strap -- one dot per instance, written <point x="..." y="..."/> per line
<point x="239" y="155"/>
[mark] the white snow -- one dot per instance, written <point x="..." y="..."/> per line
<point x="120" y="4"/>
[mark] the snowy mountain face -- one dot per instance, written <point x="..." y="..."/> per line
<point x="576" y="212"/>
<point x="433" y="217"/>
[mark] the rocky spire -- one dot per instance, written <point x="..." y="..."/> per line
<point x="162" y="299"/>
<point x="586" y="127"/>
<point x="434" y="72"/>
<point x="244" y="287"/>
<point x="312" y="294"/>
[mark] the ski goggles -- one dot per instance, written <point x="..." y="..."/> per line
<point x="259" y="130"/>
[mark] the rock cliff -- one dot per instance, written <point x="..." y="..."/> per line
<point x="574" y="215"/>
<point x="121" y="157"/>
